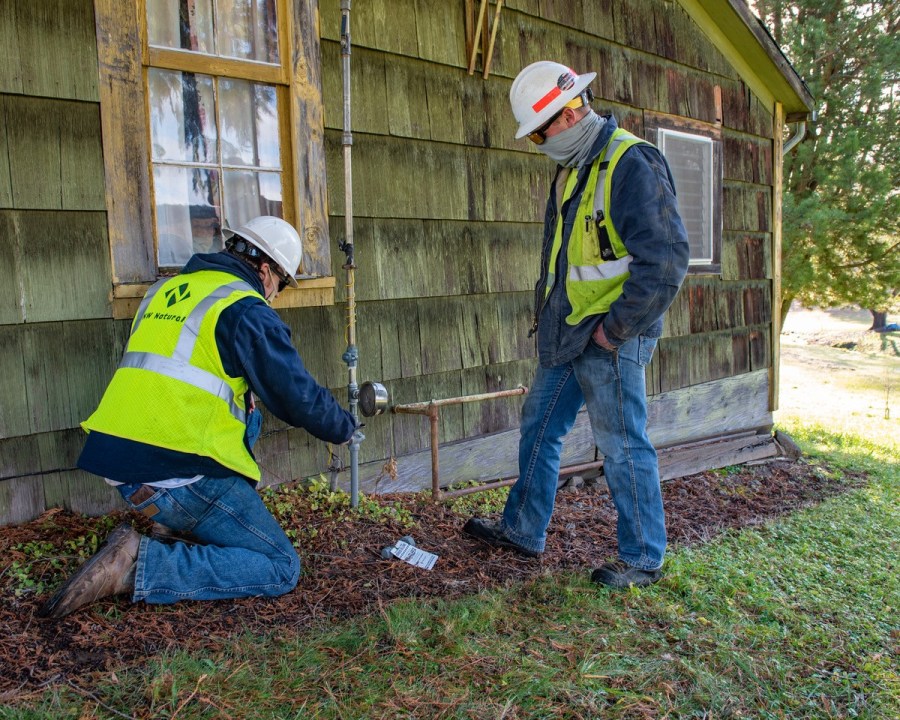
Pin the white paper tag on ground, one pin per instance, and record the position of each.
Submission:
(414, 556)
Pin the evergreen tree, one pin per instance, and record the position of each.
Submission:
(841, 243)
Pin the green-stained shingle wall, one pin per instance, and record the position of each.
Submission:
(448, 213)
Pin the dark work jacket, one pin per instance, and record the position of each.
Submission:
(255, 343)
(645, 214)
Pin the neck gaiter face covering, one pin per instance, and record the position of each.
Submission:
(571, 147)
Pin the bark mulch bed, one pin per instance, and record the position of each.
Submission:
(345, 576)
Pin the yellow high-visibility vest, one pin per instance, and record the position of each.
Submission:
(170, 390)
(597, 258)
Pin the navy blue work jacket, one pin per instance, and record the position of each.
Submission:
(645, 214)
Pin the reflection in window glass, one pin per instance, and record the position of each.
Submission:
(249, 124)
(243, 29)
(187, 213)
(181, 24)
(690, 158)
(247, 29)
(215, 139)
(182, 116)
(248, 194)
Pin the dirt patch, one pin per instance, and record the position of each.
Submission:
(339, 583)
(836, 373)
(842, 328)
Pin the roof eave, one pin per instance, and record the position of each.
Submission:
(764, 64)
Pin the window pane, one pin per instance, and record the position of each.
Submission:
(248, 29)
(182, 116)
(181, 24)
(248, 194)
(249, 124)
(188, 215)
(691, 162)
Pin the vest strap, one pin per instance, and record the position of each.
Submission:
(190, 329)
(600, 193)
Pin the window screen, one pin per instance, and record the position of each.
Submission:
(690, 158)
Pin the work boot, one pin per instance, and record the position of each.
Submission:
(619, 574)
(110, 571)
(491, 532)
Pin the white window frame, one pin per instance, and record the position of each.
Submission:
(656, 127)
(707, 179)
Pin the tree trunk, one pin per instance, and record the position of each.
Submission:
(879, 320)
(786, 300)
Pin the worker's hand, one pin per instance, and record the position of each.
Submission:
(356, 438)
(600, 338)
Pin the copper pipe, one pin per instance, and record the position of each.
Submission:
(432, 410)
(568, 470)
(421, 408)
(477, 488)
(433, 415)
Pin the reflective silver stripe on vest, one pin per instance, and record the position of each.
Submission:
(190, 329)
(186, 373)
(179, 365)
(604, 271)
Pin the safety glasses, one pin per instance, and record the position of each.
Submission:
(283, 280)
(539, 137)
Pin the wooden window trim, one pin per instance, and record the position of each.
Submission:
(124, 55)
(653, 123)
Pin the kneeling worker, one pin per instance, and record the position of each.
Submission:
(175, 428)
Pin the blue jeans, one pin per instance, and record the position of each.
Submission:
(612, 386)
(241, 552)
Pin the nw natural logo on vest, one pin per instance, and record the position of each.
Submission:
(177, 294)
(173, 296)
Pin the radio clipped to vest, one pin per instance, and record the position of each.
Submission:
(604, 244)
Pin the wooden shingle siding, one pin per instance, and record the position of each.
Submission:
(37, 472)
(55, 266)
(14, 408)
(67, 368)
(54, 153)
(48, 49)
(449, 206)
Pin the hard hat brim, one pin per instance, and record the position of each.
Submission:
(573, 92)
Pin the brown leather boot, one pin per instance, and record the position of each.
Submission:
(110, 571)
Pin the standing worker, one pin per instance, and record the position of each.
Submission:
(176, 425)
(615, 253)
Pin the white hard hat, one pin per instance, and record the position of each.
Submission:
(276, 238)
(541, 90)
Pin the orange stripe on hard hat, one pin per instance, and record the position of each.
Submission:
(547, 99)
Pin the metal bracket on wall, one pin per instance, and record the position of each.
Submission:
(479, 38)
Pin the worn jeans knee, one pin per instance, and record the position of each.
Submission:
(550, 409)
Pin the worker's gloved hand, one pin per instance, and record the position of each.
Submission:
(357, 437)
